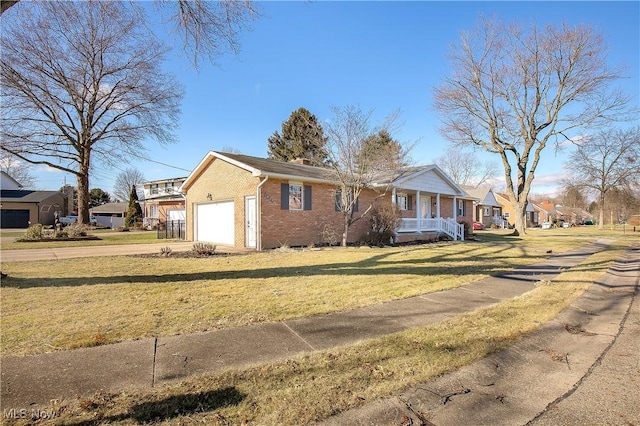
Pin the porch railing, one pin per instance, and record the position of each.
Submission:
(440, 224)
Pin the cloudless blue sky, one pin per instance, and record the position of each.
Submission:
(383, 56)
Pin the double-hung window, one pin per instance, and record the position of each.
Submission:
(404, 202)
(460, 207)
(295, 196)
(349, 201)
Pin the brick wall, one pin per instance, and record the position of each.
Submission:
(225, 182)
(320, 225)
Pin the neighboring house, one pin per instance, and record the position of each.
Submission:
(163, 201)
(486, 208)
(255, 203)
(22, 208)
(572, 215)
(543, 213)
(532, 215)
(110, 215)
(7, 182)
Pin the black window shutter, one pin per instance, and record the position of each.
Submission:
(409, 202)
(284, 196)
(355, 206)
(307, 198)
(338, 200)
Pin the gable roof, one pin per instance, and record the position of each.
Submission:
(409, 176)
(265, 167)
(9, 182)
(505, 201)
(484, 195)
(110, 208)
(25, 196)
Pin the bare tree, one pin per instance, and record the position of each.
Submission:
(356, 148)
(82, 81)
(609, 160)
(572, 195)
(207, 28)
(17, 169)
(125, 180)
(465, 168)
(513, 91)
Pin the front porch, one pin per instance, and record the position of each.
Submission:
(429, 213)
(437, 226)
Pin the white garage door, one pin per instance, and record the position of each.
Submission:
(214, 223)
(176, 215)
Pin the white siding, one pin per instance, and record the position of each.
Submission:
(428, 181)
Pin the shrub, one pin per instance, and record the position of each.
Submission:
(328, 235)
(165, 251)
(34, 232)
(385, 219)
(76, 230)
(204, 249)
(467, 228)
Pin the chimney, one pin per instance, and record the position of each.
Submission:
(303, 161)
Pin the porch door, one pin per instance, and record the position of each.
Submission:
(250, 217)
(425, 207)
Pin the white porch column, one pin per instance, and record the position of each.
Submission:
(438, 205)
(418, 210)
(455, 208)
(393, 196)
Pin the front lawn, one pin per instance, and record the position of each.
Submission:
(312, 387)
(106, 237)
(63, 304)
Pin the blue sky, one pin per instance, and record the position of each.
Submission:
(383, 56)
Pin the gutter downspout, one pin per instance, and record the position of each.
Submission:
(186, 231)
(259, 214)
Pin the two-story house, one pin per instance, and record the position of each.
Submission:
(163, 202)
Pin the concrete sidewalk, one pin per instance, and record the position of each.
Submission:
(37, 379)
(582, 368)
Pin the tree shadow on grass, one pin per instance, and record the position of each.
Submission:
(491, 263)
(173, 406)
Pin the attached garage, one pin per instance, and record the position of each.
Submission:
(215, 223)
(14, 219)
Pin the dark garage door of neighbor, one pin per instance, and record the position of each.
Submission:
(14, 219)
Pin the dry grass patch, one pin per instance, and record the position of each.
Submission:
(313, 387)
(53, 305)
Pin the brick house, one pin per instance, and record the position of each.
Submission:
(486, 208)
(255, 203)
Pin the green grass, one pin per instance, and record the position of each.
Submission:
(312, 387)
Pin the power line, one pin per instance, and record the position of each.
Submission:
(164, 164)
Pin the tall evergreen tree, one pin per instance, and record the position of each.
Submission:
(302, 137)
(134, 214)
